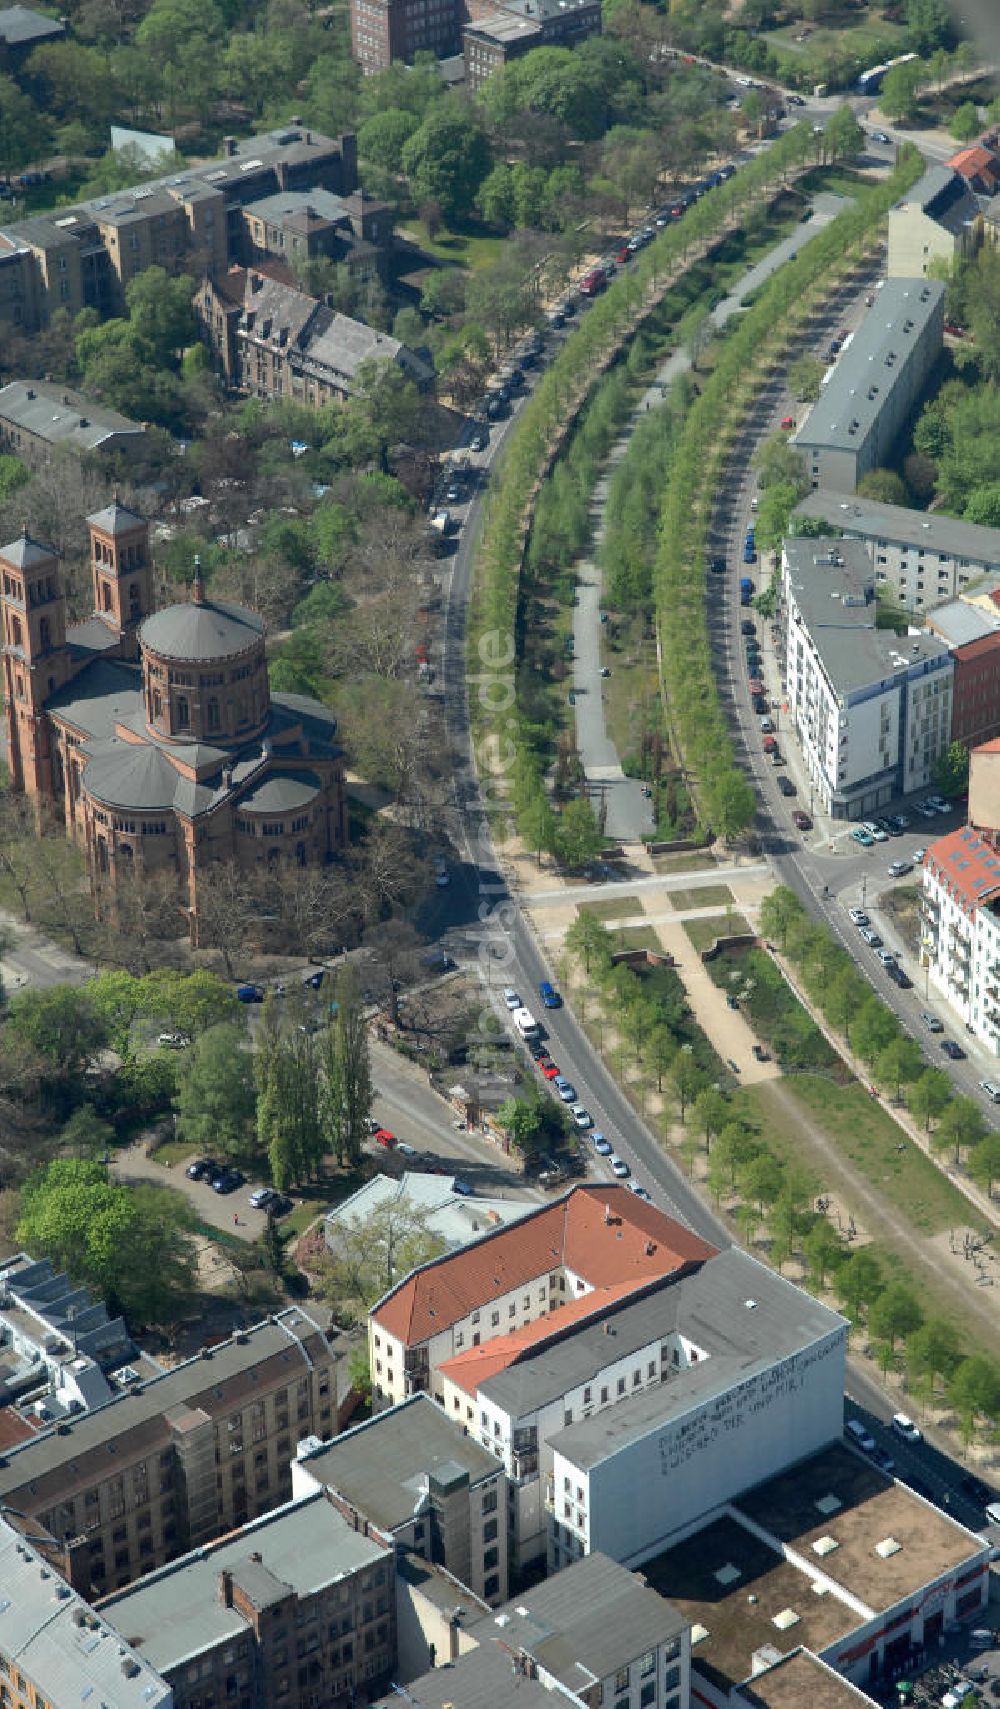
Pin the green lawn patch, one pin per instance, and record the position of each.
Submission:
(637, 937)
(298, 1220)
(707, 896)
(690, 861)
(863, 37)
(612, 907)
(703, 933)
(870, 1138)
(471, 247)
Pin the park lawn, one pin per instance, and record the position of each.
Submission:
(707, 896)
(637, 937)
(862, 36)
(612, 907)
(690, 860)
(470, 248)
(868, 1137)
(703, 933)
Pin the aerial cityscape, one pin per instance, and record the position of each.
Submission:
(500, 854)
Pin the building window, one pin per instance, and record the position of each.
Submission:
(183, 712)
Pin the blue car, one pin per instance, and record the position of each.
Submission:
(549, 995)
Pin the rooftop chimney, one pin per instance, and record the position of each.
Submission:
(198, 585)
(226, 1588)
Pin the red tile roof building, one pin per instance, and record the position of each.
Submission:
(979, 167)
(960, 907)
(594, 1238)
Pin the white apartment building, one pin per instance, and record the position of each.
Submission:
(960, 906)
(921, 557)
(869, 395)
(872, 710)
(629, 1419)
(593, 1237)
(757, 1385)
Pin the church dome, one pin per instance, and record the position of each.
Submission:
(193, 633)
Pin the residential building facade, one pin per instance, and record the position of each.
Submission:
(872, 711)
(939, 219)
(871, 392)
(152, 736)
(960, 912)
(274, 342)
(384, 31)
(425, 1483)
(179, 1457)
(975, 706)
(56, 1651)
(920, 558)
(38, 419)
(593, 1237)
(296, 1610)
(85, 256)
(496, 34)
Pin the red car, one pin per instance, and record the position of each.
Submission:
(769, 744)
(549, 1069)
(755, 685)
(384, 1137)
(787, 423)
(802, 820)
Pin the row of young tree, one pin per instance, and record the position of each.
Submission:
(765, 1191)
(542, 428)
(744, 359)
(954, 1123)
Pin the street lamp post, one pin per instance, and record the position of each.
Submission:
(864, 889)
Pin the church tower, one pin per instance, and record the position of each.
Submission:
(35, 660)
(122, 572)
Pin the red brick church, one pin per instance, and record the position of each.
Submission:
(153, 735)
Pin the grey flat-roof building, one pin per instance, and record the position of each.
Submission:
(872, 709)
(423, 1482)
(922, 557)
(207, 1622)
(37, 418)
(871, 392)
(174, 1460)
(57, 1651)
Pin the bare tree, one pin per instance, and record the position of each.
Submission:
(228, 911)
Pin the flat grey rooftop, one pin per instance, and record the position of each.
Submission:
(177, 1612)
(482, 1679)
(381, 1466)
(743, 1315)
(961, 623)
(833, 584)
(71, 1655)
(81, 1450)
(324, 203)
(870, 367)
(585, 1622)
(929, 531)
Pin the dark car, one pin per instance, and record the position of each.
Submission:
(227, 1180)
(748, 628)
(717, 566)
(315, 980)
(280, 1205)
(786, 785)
(953, 1050)
(202, 1167)
(250, 993)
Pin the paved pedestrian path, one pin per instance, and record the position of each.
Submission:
(725, 1028)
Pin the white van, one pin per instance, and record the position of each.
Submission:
(526, 1024)
(861, 1437)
